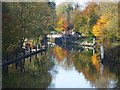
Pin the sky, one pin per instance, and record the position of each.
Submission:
(79, 1)
(82, 2)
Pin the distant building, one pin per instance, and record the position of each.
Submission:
(69, 29)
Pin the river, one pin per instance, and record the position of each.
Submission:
(64, 66)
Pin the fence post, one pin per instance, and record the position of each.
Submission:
(30, 49)
(21, 65)
(30, 52)
(36, 48)
(24, 55)
(45, 51)
(23, 52)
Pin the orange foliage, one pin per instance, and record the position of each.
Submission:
(61, 24)
(64, 27)
(59, 53)
(61, 18)
(95, 62)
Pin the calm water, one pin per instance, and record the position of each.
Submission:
(65, 66)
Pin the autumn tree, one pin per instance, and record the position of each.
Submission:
(86, 19)
(106, 27)
(62, 25)
(64, 12)
(99, 26)
(109, 12)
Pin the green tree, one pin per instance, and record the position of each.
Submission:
(26, 20)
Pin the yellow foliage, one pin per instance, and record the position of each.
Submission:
(98, 27)
(95, 30)
(58, 28)
(102, 20)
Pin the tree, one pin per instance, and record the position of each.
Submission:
(26, 20)
(99, 26)
(61, 24)
(109, 12)
(86, 19)
(64, 10)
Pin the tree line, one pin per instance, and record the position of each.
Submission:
(22, 20)
(95, 19)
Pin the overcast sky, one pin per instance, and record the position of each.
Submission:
(79, 1)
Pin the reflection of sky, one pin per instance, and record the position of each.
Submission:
(70, 79)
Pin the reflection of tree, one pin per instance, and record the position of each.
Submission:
(90, 66)
(95, 62)
(67, 64)
(102, 81)
(63, 57)
(59, 53)
(69, 61)
(35, 76)
(83, 64)
(112, 61)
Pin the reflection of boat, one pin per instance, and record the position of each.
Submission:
(68, 38)
(87, 47)
(69, 47)
(89, 44)
(64, 39)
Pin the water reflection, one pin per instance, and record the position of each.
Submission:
(66, 66)
(34, 73)
(86, 65)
